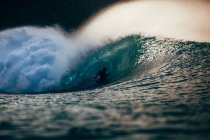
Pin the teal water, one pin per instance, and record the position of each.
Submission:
(158, 89)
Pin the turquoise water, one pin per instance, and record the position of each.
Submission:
(158, 89)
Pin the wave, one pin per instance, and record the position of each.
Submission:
(134, 56)
(35, 60)
(39, 60)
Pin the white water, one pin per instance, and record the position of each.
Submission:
(34, 59)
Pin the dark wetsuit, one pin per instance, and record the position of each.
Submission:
(101, 77)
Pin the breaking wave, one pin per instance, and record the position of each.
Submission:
(35, 60)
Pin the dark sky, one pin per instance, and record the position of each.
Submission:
(69, 14)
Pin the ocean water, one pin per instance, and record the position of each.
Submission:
(158, 88)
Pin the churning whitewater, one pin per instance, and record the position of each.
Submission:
(34, 59)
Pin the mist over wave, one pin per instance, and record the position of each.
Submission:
(183, 20)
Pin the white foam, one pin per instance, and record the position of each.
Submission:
(34, 59)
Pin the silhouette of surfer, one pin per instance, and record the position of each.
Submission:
(101, 76)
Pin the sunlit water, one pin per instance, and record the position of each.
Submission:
(163, 92)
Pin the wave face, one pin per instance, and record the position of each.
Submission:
(45, 60)
(120, 58)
